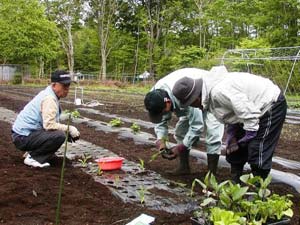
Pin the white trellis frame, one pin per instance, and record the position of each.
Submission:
(282, 65)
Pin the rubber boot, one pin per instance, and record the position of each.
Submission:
(184, 166)
(259, 172)
(236, 172)
(212, 163)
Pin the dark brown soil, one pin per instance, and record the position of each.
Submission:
(29, 196)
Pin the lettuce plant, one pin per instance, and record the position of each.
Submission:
(250, 204)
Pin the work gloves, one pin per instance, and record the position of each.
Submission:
(232, 144)
(74, 134)
(161, 145)
(248, 136)
(171, 153)
(174, 152)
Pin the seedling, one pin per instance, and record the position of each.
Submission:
(74, 114)
(117, 180)
(141, 192)
(116, 122)
(142, 164)
(99, 172)
(84, 160)
(163, 151)
(135, 128)
(179, 184)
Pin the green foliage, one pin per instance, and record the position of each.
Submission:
(73, 114)
(142, 192)
(86, 53)
(135, 128)
(17, 79)
(225, 217)
(164, 151)
(99, 171)
(158, 37)
(228, 203)
(142, 164)
(84, 160)
(117, 122)
(246, 43)
(25, 32)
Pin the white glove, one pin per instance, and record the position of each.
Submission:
(74, 132)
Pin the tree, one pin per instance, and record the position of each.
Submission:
(104, 13)
(25, 33)
(66, 14)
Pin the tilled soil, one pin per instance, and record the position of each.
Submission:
(29, 196)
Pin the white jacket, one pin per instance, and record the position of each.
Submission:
(238, 97)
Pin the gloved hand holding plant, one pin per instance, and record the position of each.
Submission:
(74, 134)
(174, 152)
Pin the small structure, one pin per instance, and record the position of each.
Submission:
(9, 71)
(144, 76)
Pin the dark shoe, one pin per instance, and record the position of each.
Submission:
(236, 172)
(259, 172)
(212, 163)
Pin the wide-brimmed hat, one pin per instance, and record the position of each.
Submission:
(187, 90)
(155, 103)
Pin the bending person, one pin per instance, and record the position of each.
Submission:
(161, 103)
(253, 108)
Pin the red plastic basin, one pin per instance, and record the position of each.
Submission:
(110, 163)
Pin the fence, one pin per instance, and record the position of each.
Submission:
(124, 77)
(282, 65)
(9, 71)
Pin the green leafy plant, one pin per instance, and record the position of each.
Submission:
(84, 160)
(142, 164)
(142, 192)
(99, 171)
(135, 128)
(75, 114)
(225, 217)
(164, 151)
(117, 122)
(251, 204)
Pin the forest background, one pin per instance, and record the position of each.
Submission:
(110, 38)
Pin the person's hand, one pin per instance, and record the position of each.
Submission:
(161, 145)
(74, 133)
(232, 146)
(231, 142)
(174, 152)
(249, 135)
